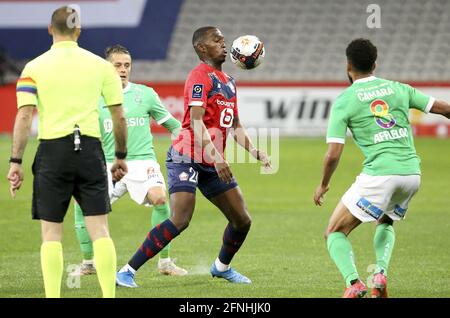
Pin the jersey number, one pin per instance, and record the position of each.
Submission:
(194, 177)
(226, 118)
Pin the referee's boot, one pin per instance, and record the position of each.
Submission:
(230, 275)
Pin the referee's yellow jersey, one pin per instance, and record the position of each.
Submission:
(65, 84)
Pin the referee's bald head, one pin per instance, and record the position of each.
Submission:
(65, 21)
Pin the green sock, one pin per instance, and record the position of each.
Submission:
(82, 234)
(341, 252)
(383, 242)
(161, 213)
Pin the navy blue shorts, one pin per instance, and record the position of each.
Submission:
(184, 175)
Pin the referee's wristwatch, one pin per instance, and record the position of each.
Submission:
(15, 160)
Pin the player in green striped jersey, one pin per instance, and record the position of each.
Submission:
(376, 112)
(144, 181)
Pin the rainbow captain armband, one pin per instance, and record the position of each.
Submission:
(26, 85)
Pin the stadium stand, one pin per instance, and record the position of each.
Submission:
(306, 39)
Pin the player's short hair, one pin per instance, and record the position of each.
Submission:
(65, 20)
(116, 49)
(199, 35)
(361, 54)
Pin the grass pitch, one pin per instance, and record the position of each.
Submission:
(285, 254)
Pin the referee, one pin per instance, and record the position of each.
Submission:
(65, 84)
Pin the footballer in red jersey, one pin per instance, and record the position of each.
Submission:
(196, 157)
(215, 91)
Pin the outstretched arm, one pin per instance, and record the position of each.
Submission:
(330, 164)
(441, 107)
(22, 127)
(243, 139)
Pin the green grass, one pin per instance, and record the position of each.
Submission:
(285, 254)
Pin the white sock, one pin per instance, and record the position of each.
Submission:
(221, 267)
(88, 261)
(127, 268)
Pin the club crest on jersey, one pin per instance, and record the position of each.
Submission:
(138, 96)
(380, 109)
(197, 91)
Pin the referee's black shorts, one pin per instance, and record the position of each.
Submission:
(60, 173)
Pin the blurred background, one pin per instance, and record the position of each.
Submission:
(305, 40)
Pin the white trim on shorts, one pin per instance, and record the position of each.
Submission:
(371, 197)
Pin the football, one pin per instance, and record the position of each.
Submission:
(247, 52)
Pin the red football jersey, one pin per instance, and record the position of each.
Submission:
(215, 91)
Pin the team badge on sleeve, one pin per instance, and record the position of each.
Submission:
(197, 91)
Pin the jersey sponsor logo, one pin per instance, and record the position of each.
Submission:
(136, 121)
(390, 135)
(369, 208)
(131, 122)
(197, 91)
(380, 109)
(225, 103)
(226, 118)
(399, 211)
(152, 173)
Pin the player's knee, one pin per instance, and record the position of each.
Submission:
(181, 225)
(181, 222)
(157, 197)
(328, 231)
(244, 224)
(159, 200)
(385, 220)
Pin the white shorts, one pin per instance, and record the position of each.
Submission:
(370, 197)
(142, 175)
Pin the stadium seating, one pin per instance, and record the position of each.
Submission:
(306, 39)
